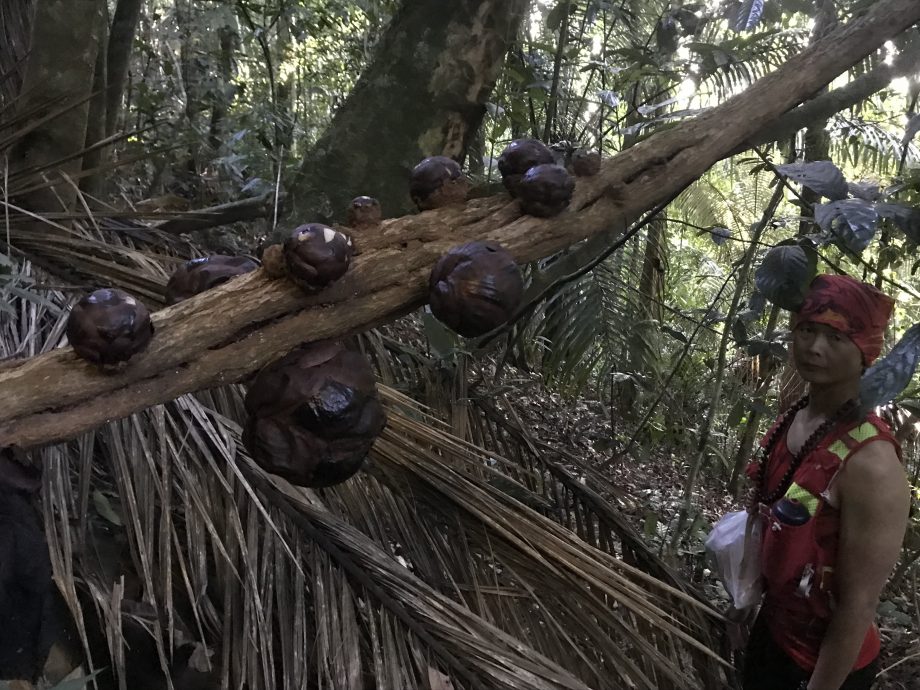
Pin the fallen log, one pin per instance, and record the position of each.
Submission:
(224, 334)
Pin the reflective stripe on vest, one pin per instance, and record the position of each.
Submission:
(863, 432)
(841, 449)
(803, 496)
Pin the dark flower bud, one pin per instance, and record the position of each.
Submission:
(109, 327)
(438, 181)
(546, 190)
(317, 255)
(475, 287)
(519, 157)
(314, 415)
(204, 273)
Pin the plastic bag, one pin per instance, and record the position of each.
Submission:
(734, 546)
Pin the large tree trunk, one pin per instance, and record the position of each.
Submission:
(224, 334)
(654, 269)
(65, 42)
(95, 121)
(228, 39)
(424, 94)
(118, 57)
(111, 73)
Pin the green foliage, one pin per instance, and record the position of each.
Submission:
(241, 89)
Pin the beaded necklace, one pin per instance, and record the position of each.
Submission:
(810, 444)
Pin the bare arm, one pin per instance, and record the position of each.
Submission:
(874, 504)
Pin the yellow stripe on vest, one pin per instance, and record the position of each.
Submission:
(863, 432)
(839, 448)
(803, 496)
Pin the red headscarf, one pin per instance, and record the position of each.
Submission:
(856, 309)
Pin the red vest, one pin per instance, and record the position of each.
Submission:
(799, 554)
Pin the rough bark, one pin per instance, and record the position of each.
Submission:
(65, 41)
(223, 335)
(424, 94)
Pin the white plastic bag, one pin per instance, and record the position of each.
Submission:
(734, 545)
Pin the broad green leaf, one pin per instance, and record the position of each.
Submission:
(822, 177)
(784, 275)
(852, 222)
(885, 379)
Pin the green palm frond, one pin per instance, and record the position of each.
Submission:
(868, 145)
(581, 327)
(697, 206)
(730, 63)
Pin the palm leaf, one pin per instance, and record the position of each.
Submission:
(426, 564)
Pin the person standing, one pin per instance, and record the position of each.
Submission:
(834, 500)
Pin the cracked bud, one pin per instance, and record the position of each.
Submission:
(314, 415)
(204, 273)
(273, 262)
(546, 190)
(317, 255)
(108, 327)
(364, 213)
(474, 288)
(438, 181)
(586, 163)
(519, 157)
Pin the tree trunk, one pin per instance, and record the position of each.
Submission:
(65, 41)
(226, 333)
(817, 148)
(654, 269)
(228, 42)
(424, 94)
(118, 57)
(745, 451)
(715, 395)
(95, 121)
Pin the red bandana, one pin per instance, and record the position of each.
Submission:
(856, 309)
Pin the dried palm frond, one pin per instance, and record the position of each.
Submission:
(426, 566)
(15, 31)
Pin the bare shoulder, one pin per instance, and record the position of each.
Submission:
(874, 473)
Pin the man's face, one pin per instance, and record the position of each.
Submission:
(824, 355)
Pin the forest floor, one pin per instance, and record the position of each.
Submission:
(652, 490)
